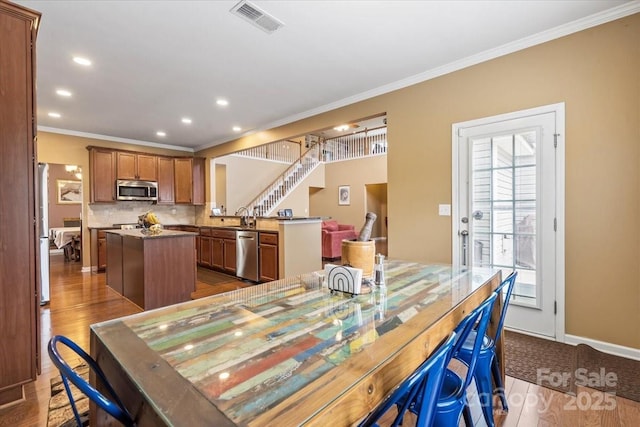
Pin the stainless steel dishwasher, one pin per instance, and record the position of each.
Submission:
(247, 254)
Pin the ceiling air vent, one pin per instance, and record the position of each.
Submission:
(256, 16)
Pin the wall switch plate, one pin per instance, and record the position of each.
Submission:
(444, 210)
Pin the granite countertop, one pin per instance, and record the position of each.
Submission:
(137, 233)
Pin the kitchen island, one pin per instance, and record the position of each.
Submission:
(152, 270)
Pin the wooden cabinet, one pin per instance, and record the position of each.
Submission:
(152, 271)
(268, 256)
(204, 247)
(180, 179)
(112, 250)
(136, 166)
(19, 295)
(189, 180)
(218, 249)
(229, 249)
(165, 180)
(102, 249)
(102, 175)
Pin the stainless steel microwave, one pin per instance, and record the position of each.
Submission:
(137, 190)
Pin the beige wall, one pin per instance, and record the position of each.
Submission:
(356, 174)
(245, 178)
(596, 73)
(298, 199)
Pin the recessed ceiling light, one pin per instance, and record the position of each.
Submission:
(237, 128)
(81, 61)
(54, 115)
(161, 133)
(222, 102)
(63, 92)
(341, 128)
(186, 120)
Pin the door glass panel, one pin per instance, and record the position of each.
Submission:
(504, 191)
(502, 150)
(502, 215)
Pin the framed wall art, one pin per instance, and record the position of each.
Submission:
(69, 192)
(344, 195)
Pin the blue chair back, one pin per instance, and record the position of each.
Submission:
(478, 319)
(507, 288)
(115, 409)
(425, 381)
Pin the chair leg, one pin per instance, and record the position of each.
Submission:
(497, 378)
(485, 394)
(466, 414)
(70, 396)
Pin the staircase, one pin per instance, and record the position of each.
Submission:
(264, 203)
(370, 142)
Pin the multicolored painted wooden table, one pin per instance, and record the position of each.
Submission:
(288, 352)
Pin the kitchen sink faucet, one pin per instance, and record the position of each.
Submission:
(244, 219)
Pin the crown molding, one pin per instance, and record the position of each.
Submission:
(114, 139)
(590, 21)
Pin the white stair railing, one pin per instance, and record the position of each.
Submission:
(280, 151)
(268, 199)
(369, 142)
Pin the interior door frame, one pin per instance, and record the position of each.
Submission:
(457, 164)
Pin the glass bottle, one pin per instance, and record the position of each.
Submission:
(379, 271)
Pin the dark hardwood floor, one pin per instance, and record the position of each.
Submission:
(80, 299)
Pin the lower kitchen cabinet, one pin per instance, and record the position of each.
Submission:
(229, 255)
(268, 256)
(217, 249)
(99, 248)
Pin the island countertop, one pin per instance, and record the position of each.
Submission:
(138, 234)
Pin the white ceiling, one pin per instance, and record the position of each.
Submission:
(155, 62)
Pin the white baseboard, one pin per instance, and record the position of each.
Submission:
(87, 269)
(605, 347)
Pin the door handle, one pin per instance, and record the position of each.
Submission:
(465, 235)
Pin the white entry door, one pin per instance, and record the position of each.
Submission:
(506, 209)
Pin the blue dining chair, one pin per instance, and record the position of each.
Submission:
(116, 409)
(488, 365)
(426, 381)
(452, 402)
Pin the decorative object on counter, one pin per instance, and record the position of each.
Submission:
(360, 253)
(342, 278)
(150, 223)
(365, 231)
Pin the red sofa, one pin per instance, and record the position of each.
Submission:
(332, 236)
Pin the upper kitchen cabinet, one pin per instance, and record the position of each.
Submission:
(19, 295)
(189, 180)
(102, 175)
(166, 178)
(136, 166)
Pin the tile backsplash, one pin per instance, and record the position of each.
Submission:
(105, 215)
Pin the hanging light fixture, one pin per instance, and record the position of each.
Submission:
(74, 170)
